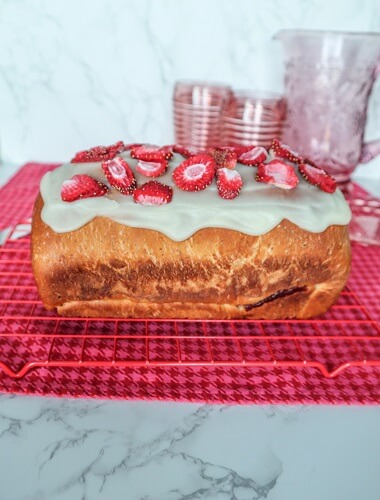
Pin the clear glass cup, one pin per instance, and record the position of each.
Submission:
(197, 108)
(204, 94)
(253, 105)
(253, 117)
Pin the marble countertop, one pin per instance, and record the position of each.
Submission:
(66, 449)
(81, 449)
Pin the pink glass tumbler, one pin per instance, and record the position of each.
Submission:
(253, 117)
(197, 108)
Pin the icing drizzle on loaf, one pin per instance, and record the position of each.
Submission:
(257, 209)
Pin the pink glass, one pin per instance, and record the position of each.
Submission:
(328, 81)
(197, 110)
(253, 117)
(365, 224)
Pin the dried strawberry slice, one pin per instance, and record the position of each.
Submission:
(310, 162)
(184, 151)
(229, 183)
(153, 193)
(278, 173)
(118, 147)
(254, 156)
(318, 177)
(82, 186)
(224, 156)
(167, 151)
(119, 174)
(240, 148)
(150, 152)
(128, 147)
(152, 168)
(98, 153)
(283, 151)
(195, 173)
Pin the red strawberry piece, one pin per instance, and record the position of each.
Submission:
(119, 174)
(278, 173)
(152, 168)
(128, 147)
(184, 151)
(82, 186)
(150, 152)
(225, 157)
(310, 162)
(118, 147)
(167, 151)
(195, 173)
(283, 151)
(153, 193)
(98, 153)
(240, 148)
(229, 183)
(254, 156)
(318, 177)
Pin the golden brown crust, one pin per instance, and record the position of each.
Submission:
(108, 269)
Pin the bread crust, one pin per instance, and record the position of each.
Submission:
(107, 269)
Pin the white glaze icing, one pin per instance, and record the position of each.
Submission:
(257, 210)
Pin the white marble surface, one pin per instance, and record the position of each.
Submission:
(78, 449)
(75, 73)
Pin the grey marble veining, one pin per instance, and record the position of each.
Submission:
(74, 74)
(82, 449)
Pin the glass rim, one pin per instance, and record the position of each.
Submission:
(198, 130)
(200, 134)
(252, 130)
(196, 112)
(196, 120)
(250, 136)
(259, 94)
(203, 83)
(196, 107)
(263, 119)
(316, 33)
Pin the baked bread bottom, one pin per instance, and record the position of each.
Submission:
(107, 269)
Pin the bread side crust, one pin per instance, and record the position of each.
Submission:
(107, 269)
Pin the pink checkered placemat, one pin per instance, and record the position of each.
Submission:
(18, 195)
(220, 361)
(224, 385)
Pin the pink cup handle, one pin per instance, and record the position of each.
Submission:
(369, 151)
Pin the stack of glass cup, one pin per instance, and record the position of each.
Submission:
(198, 107)
(253, 117)
(208, 115)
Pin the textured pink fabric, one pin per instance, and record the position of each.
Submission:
(18, 195)
(334, 359)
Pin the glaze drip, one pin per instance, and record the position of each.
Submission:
(257, 210)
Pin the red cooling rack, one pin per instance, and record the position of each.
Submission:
(30, 336)
(331, 359)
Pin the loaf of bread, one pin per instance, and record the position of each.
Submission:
(263, 252)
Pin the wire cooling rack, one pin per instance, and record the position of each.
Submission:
(30, 336)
